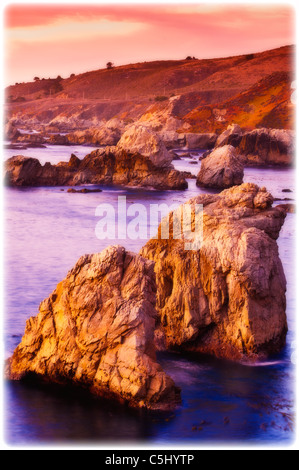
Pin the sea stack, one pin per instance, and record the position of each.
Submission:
(96, 330)
(226, 297)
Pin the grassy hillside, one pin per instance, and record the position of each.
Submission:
(249, 89)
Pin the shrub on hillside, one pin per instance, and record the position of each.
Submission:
(161, 98)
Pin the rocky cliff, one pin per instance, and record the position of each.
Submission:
(226, 298)
(96, 330)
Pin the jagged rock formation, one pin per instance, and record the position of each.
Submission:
(139, 159)
(103, 166)
(96, 330)
(222, 168)
(268, 147)
(226, 298)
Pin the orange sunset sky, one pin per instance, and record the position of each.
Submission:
(48, 40)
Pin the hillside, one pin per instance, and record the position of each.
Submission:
(251, 90)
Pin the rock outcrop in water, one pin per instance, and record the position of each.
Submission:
(226, 298)
(261, 147)
(221, 169)
(142, 140)
(96, 330)
(104, 166)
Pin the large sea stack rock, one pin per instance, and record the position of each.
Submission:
(11, 132)
(226, 298)
(96, 330)
(143, 140)
(221, 169)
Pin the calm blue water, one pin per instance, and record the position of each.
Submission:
(46, 231)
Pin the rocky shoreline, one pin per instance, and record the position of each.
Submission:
(226, 297)
(259, 147)
(102, 325)
(139, 159)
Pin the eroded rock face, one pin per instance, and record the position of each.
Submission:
(260, 147)
(228, 297)
(96, 330)
(264, 147)
(232, 135)
(108, 165)
(222, 168)
(108, 133)
(143, 140)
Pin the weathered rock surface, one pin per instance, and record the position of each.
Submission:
(33, 139)
(226, 298)
(222, 168)
(108, 165)
(10, 131)
(96, 330)
(264, 147)
(261, 147)
(141, 139)
(230, 136)
(108, 133)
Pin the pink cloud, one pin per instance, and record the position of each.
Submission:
(161, 32)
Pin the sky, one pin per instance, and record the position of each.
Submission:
(47, 40)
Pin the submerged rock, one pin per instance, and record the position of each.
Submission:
(222, 169)
(84, 190)
(96, 330)
(226, 298)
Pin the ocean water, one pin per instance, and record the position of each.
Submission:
(46, 231)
